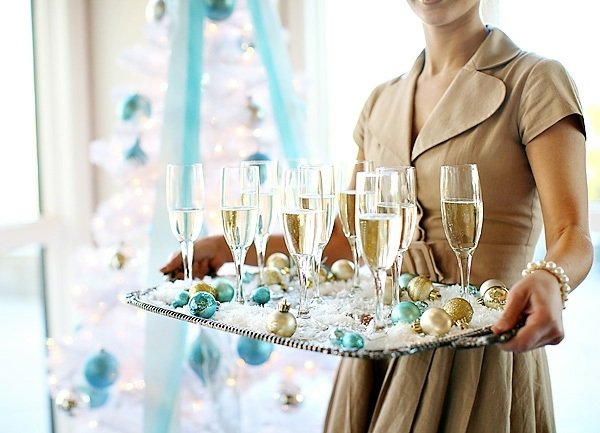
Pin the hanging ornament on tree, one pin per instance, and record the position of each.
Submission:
(254, 352)
(72, 401)
(135, 153)
(118, 260)
(204, 357)
(219, 10)
(134, 107)
(155, 11)
(98, 397)
(257, 113)
(101, 369)
(282, 322)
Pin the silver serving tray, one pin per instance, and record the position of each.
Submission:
(473, 338)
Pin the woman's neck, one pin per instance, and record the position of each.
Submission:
(449, 48)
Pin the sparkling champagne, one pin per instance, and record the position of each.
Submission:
(186, 223)
(462, 223)
(239, 225)
(379, 238)
(301, 229)
(347, 212)
(408, 217)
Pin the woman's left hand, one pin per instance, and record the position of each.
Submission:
(536, 301)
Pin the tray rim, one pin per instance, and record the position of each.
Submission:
(477, 337)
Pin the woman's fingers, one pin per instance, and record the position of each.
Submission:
(513, 312)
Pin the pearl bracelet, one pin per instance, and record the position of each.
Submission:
(555, 270)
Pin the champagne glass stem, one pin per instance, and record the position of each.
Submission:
(396, 272)
(238, 258)
(304, 263)
(356, 276)
(187, 256)
(464, 264)
(317, 273)
(380, 276)
(260, 242)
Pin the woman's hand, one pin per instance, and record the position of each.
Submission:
(536, 301)
(210, 253)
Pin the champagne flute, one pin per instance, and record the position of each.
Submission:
(408, 216)
(239, 214)
(185, 204)
(302, 209)
(379, 228)
(347, 210)
(462, 214)
(267, 192)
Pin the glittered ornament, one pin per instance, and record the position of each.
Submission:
(101, 369)
(134, 107)
(203, 286)
(405, 312)
(421, 289)
(204, 357)
(336, 335)
(352, 341)
(460, 310)
(261, 295)
(282, 322)
(422, 306)
(155, 11)
(272, 275)
(279, 261)
(404, 279)
(494, 295)
(219, 10)
(181, 300)
(224, 288)
(343, 269)
(435, 321)
(135, 153)
(203, 304)
(254, 352)
(72, 401)
(97, 397)
(118, 260)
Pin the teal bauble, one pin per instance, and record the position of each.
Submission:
(261, 295)
(98, 397)
(405, 278)
(352, 341)
(219, 10)
(204, 357)
(405, 312)
(101, 369)
(181, 300)
(421, 305)
(203, 304)
(224, 288)
(254, 352)
(134, 107)
(335, 336)
(262, 168)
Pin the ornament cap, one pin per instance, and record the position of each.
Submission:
(284, 306)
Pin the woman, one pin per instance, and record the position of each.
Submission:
(472, 96)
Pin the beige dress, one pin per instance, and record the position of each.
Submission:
(499, 101)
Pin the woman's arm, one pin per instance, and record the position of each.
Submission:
(557, 160)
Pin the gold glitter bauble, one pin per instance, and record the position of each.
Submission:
(279, 261)
(272, 275)
(118, 261)
(435, 321)
(495, 297)
(202, 286)
(460, 310)
(421, 289)
(282, 322)
(343, 269)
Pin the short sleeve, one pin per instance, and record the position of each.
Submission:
(549, 95)
(361, 124)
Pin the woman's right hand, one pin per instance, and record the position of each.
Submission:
(210, 253)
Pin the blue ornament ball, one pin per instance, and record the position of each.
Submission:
(352, 341)
(101, 369)
(405, 279)
(224, 288)
(181, 299)
(98, 397)
(219, 10)
(204, 357)
(405, 312)
(262, 170)
(203, 304)
(336, 336)
(134, 107)
(261, 295)
(254, 352)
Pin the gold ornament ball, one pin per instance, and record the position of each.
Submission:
(282, 322)
(279, 261)
(272, 275)
(325, 274)
(118, 261)
(421, 289)
(202, 286)
(435, 321)
(72, 401)
(343, 269)
(489, 284)
(495, 297)
(460, 310)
